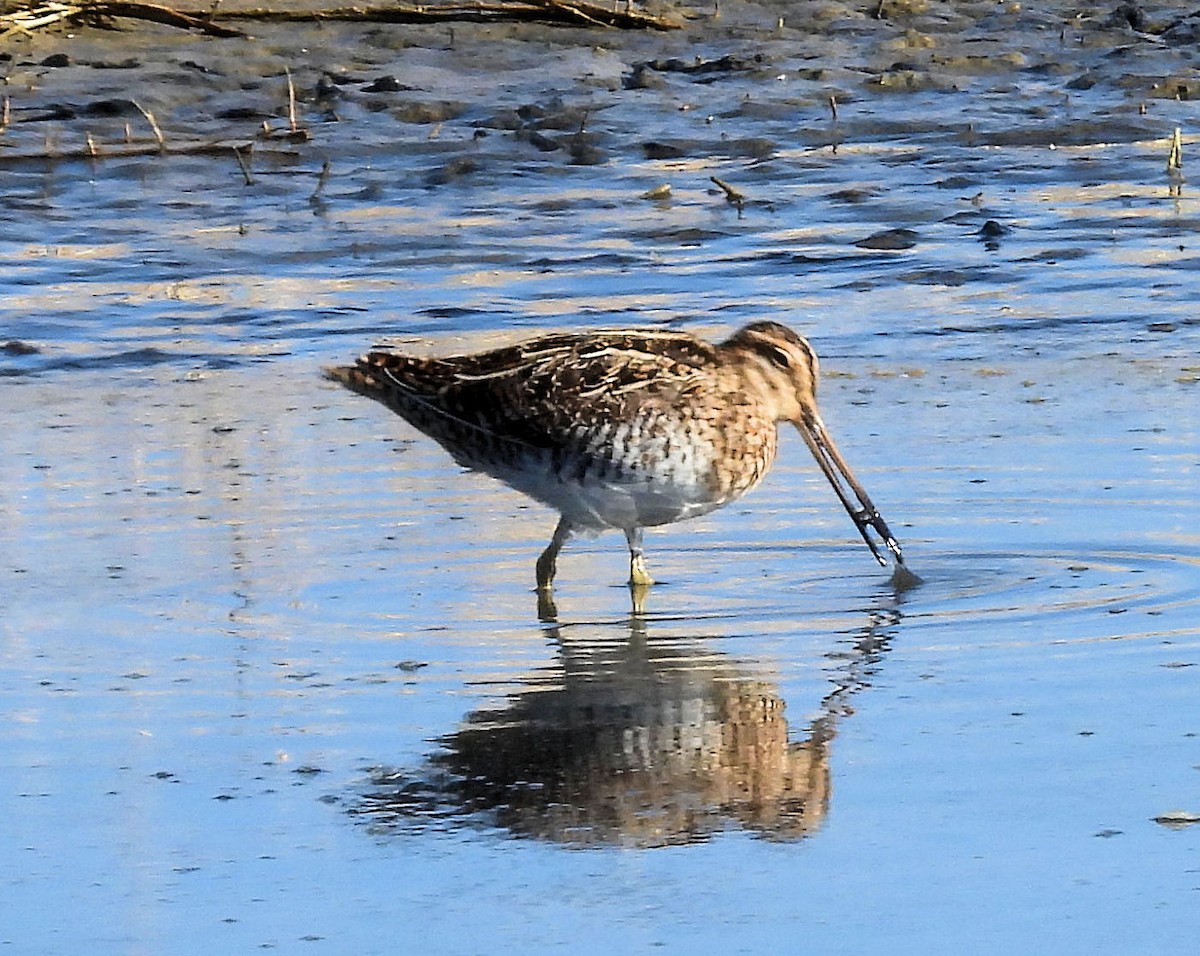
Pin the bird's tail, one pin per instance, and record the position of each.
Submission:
(369, 376)
(381, 376)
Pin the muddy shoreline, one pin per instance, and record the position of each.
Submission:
(570, 95)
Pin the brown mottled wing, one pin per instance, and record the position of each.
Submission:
(556, 393)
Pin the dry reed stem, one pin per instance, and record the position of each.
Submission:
(1175, 155)
(292, 121)
(243, 162)
(158, 133)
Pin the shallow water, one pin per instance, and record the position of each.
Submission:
(272, 670)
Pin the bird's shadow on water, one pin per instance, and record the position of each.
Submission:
(643, 733)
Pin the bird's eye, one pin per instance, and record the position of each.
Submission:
(779, 357)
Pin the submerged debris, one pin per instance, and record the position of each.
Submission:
(1177, 819)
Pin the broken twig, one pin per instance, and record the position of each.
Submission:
(321, 180)
(733, 196)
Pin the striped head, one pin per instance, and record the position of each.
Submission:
(781, 367)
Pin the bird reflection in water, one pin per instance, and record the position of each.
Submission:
(635, 741)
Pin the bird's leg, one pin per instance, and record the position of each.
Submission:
(638, 575)
(547, 609)
(548, 562)
(637, 600)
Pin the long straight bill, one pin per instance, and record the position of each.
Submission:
(854, 499)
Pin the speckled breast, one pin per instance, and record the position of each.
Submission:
(650, 470)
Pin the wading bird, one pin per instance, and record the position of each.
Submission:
(621, 429)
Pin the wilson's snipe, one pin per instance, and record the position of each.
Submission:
(621, 429)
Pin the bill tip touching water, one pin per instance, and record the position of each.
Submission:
(624, 429)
